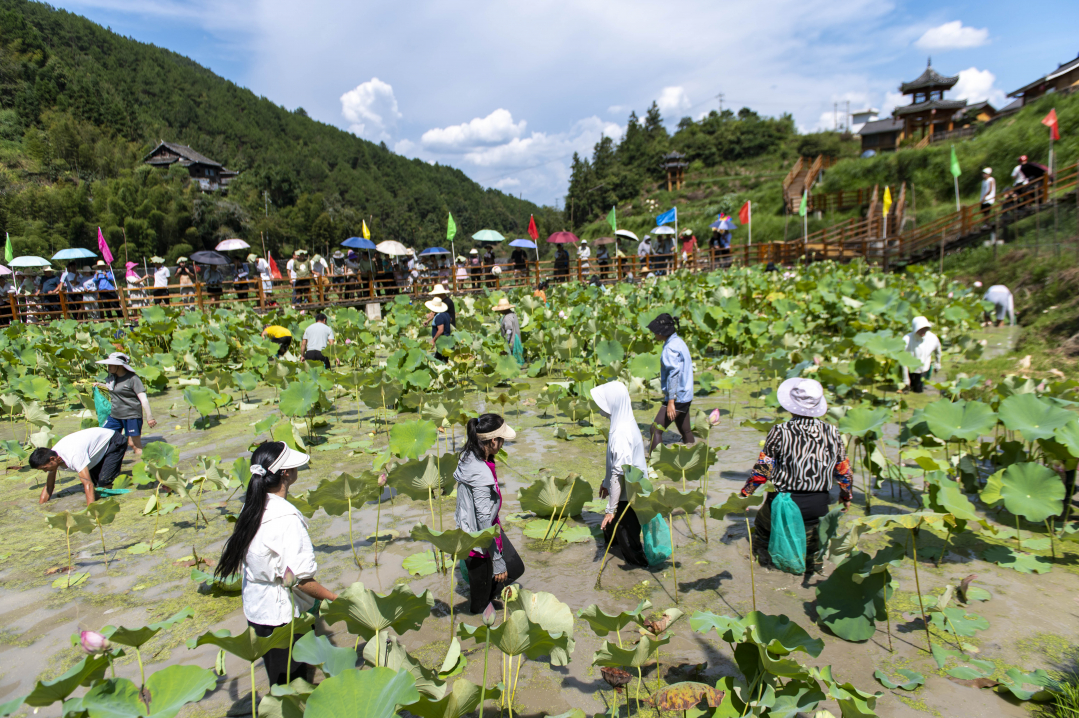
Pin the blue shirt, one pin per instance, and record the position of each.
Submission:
(104, 281)
(676, 371)
(442, 319)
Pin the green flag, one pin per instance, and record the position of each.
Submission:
(804, 206)
(955, 164)
(612, 221)
(451, 227)
(8, 254)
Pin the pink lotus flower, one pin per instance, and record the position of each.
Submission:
(93, 642)
(489, 615)
(289, 579)
(713, 418)
(382, 479)
(348, 341)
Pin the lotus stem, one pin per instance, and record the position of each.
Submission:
(602, 563)
(1018, 536)
(351, 542)
(888, 617)
(254, 707)
(378, 650)
(157, 514)
(947, 538)
(640, 678)
(516, 677)
(918, 586)
(67, 537)
(483, 686)
(104, 552)
(378, 518)
(453, 570)
(291, 634)
(752, 579)
(674, 564)
(1052, 543)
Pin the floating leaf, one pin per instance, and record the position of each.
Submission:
(420, 564)
(913, 679)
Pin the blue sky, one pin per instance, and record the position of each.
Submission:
(508, 91)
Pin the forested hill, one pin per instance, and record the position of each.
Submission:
(80, 106)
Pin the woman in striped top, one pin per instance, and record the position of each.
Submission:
(801, 457)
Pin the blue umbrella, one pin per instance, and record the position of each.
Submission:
(724, 224)
(434, 250)
(74, 253)
(526, 243)
(358, 243)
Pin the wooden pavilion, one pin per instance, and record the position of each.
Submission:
(928, 112)
(675, 164)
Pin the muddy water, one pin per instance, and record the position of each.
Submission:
(1033, 619)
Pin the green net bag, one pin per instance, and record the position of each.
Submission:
(787, 544)
(656, 537)
(103, 405)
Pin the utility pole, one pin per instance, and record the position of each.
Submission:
(720, 98)
(835, 116)
(848, 116)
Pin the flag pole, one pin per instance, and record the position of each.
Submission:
(750, 222)
(956, 179)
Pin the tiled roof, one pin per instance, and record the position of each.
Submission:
(929, 78)
(184, 151)
(931, 105)
(876, 127)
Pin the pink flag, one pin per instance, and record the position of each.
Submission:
(103, 247)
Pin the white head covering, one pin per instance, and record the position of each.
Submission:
(920, 323)
(804, 397)
(624, 445)
(118, 359)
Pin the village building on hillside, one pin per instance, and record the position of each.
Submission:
(929, 117)
(208, 174)
(1063, 80)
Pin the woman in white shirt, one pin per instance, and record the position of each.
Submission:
(270, 537)
(923, 345)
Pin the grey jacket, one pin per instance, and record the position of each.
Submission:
(477, 502)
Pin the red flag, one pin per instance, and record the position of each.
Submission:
(103, 247)
(1050, 121)
(274, 271)
(532, 231)
(743, 214)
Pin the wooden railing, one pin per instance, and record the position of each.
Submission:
(793, 174)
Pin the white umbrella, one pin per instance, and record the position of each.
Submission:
(392, 248)
(662, 230)
(230, 244)
(29, 261)
(625, 233)
(4, 270)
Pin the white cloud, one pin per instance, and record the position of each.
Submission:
(494, 129)
(370, 109)
(977, 85)
(892, 100)
(952, 36)
(618, 109)
(672, 100)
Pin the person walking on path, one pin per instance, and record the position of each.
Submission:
(989, 191)
(801, 457)
(440, 292)
(161, 280)
(511, 329)
(923, 345)
(316, 338)
(130, 407)
(479, 498)
(625, 447)
(1004, 303)
(94, 454)
(187, 279)
(272, 550)
(561, 264)
(441, 324)
(584, 253)
(676, 381)
(106, 290)
(262, 266)
(280, 336)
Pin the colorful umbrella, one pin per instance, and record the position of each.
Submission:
(74, 253)
(358, 243)
(229, 245)
(726, 224)
(487, 235)
(4, 270)
(434, 250)
(563, 238)
(525, 243)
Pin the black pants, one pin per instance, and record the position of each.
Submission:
(482, 586)
(108, 468)
(916, 384)
(628, 536)
(316, 355)
(110, 304)
(276, 659)
(681, 422)
(812, 504)
(283, 344)
(161, 295)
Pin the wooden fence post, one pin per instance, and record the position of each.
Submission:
(63, 304)
(123, 303)
(198, 296)
(14, 306)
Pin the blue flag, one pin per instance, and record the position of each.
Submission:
(670, 215)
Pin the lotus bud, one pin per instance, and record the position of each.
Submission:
(489, 615)
(289, 579)
(509, 593)
(382, 479)
(93, 642)
(713, 418)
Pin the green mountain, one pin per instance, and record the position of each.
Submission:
(81, 106)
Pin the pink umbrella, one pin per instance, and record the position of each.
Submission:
(563, 238)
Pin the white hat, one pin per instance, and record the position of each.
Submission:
(920, 323)
(118, 359)
(584, 241)
(252, 257)
(804, 397)
(439, 290)
(289, 459)
(460, 258)
(987, 170)
(496, 270)
(473, 251)
(977, 284)
(436, 305)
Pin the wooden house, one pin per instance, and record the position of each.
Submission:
(1064, 79)
(208, 174)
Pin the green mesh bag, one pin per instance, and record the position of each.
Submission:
(787, 544)
(656, 537)
(103, 405)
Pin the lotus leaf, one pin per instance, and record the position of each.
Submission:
(1068, 436)
(683, 462)
(603, 623)
(852, 702)
(68, 522)
(169, 690)
(318, 651)
(462, 699)
(1021, 562)
(430, 683)
(958, 621)
(862, 422)
(645, 366)
(420, 564)
(1032, 491)
(849, 608)
(366, 612)
(82, 673)
(1016, 682)
(884, 522)
(454, 541)
(945, 496)
(136, 637)
(637, 656)
(248, 646)
(299, 398)
(229, 584)
(913, 679)
(960, 420)
(285, 431)
(735, 504)
(201, 398)
(420, 480)
(685, 695)
(545, 609)
(1032, 416)
(336, 496)
(518, 635)
(379, 691)
(549, 496)
(609, 351)
(671, 498)
(412, 439)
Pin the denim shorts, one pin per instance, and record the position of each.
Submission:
(126, 427)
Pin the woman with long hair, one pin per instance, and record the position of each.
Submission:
(479, 497)
(676, 381)
(269, 543)
(625, 447)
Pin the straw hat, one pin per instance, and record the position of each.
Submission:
(100, 263)
(158, 260)
(502, 306)
(250, 258)
(473, 251)
(439, 290)
(503, 432)
(339, 254)
(436, 305)
(804, 397)
(118, 359)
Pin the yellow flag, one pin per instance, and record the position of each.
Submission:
(887, 199)
(367, 232)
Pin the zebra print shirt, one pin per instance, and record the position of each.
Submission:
(803, 454)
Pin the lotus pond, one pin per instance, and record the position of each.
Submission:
(949, 587)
